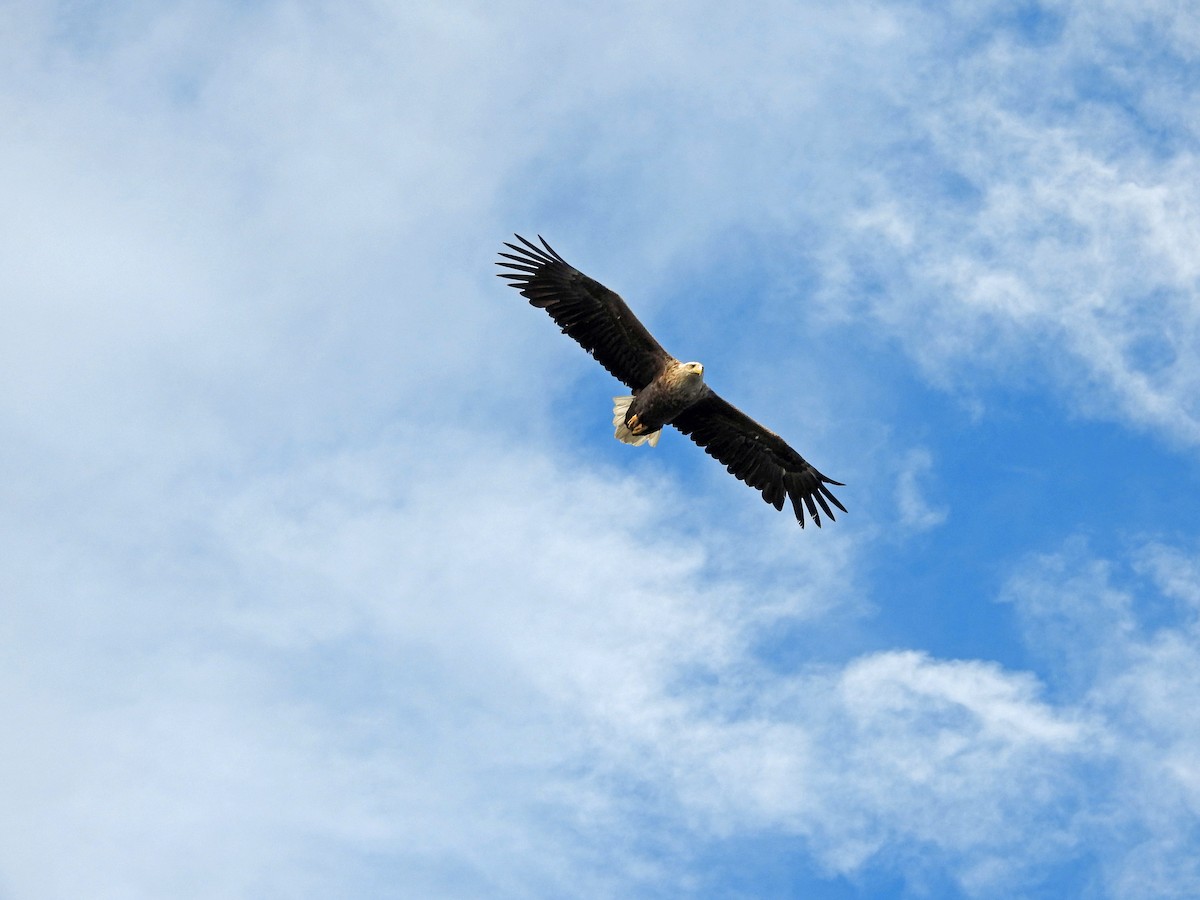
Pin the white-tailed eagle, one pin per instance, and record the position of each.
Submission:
(665, 390)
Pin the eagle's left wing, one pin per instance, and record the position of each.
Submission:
(757, 456)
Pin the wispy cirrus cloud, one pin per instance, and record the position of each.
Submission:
(282, 668)
(1042, 234)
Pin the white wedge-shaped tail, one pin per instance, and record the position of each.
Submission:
(623, 434)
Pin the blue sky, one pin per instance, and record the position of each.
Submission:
(324, 576)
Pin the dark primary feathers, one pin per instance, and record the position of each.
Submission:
(758, 456)
(601, 322)
(587, 311)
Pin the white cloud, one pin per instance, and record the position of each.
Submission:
(370, 662)
(398, 654)
(1140, 679)
(915, 510)
(1037, 234)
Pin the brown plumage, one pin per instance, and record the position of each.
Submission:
(665, 391)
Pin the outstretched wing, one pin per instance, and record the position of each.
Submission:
(759, 457)
(587, 311)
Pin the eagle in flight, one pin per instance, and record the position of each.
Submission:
(665, 390)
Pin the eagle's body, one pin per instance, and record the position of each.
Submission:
(641, 417)
(665, 390)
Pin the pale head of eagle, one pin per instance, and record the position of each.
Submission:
(687, 382)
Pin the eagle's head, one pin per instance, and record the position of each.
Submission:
(693, 370)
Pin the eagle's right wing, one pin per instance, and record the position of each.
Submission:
(587, 311)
